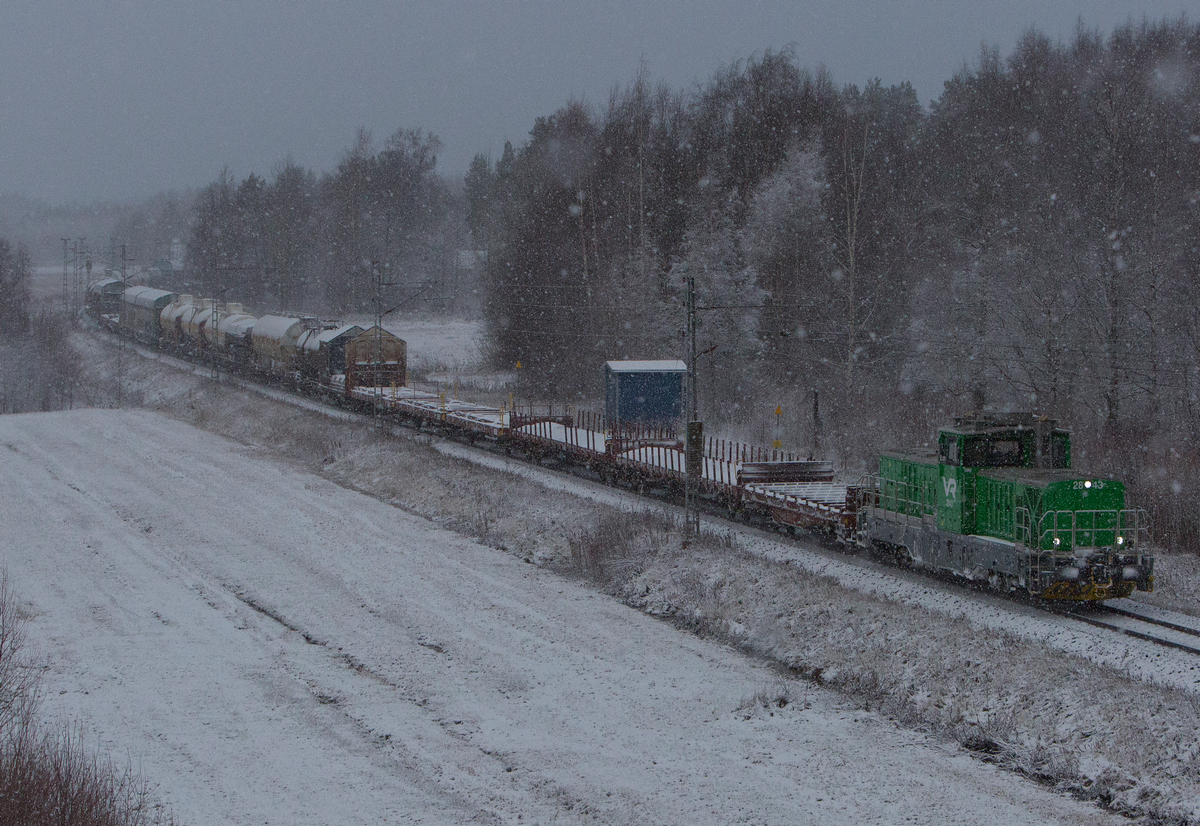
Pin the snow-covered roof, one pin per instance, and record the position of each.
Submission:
(148, 297)
(369, 333)
(236, 324)
(347, 330)
(106, 285)
(278, 327)
(663, 366)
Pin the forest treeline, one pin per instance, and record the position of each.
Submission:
(382, 221)
(1030, 240)
(39, 369)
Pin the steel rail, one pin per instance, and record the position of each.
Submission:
(1132, 632)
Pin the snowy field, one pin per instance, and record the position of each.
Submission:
(272, 648)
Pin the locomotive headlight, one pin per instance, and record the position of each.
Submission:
(1070, 572)
(1129, 572)
(1087, 484)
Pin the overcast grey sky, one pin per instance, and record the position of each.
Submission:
(122, 99)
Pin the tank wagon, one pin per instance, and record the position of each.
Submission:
(234, 329)
(170, 321)
(275, 341)
(997, 501)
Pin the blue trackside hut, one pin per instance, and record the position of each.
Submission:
(648, 393)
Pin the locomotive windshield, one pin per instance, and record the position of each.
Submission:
(986, 451)
(1005, 449)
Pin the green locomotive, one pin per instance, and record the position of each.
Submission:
(997, 501)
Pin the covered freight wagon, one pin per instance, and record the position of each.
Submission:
(141, 313)
(376, 358)
(644, 393)
(322, 353)
(104, 296)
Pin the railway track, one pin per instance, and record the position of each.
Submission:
(1128, 617)
(1162, 629)
(1167, 628)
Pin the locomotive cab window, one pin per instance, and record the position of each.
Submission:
(948, 449)
(1060, 451)
(993, 451)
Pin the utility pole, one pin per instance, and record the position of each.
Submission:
(816, 439)
(80, 253)
(87, 279)
(694, 443)
(82, 258)
(377, 268)
(66, 282)
(121, 331)
(214, 329)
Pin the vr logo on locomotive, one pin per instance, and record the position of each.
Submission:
(951, 486)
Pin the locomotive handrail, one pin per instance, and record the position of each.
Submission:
(1127, 527)
(896, 496)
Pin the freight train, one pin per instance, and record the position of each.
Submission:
(324, 357)
(996, 502)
